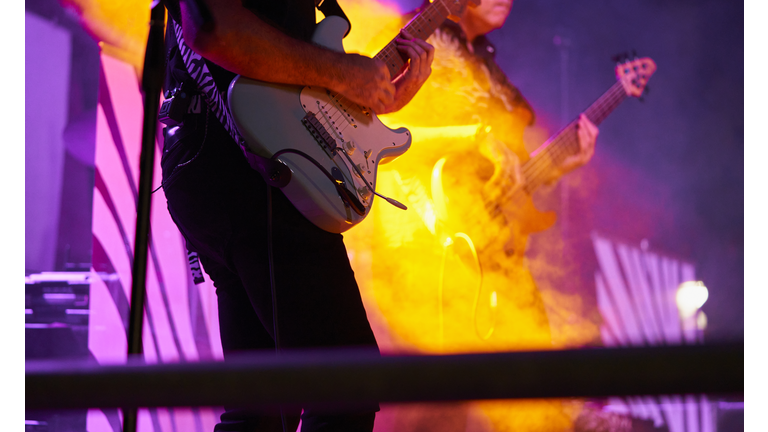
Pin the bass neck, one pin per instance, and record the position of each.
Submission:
(566, 142)
(632, 77)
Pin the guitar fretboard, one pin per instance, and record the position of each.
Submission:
(566, 142)
(421, 26)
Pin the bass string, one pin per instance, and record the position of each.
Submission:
(596, 112)
(566, 143)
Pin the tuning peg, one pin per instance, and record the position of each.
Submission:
(646, 90)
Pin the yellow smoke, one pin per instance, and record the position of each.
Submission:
(431, 276)
(120, 27)
(435, 278)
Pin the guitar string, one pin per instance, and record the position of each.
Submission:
(389, 52)
(534, 168)
(333, 113)
(533, 171)
(564, 141)
(596, 113)
(568, 143)
(567, 140)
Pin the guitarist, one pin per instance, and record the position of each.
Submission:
(422, 295)
(220, 204)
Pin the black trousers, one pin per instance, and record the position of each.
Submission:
(219, 204)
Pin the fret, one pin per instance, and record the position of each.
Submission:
(598, 111)
(421, 26)
(566, 142)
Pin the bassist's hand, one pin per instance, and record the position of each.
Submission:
(586, 131)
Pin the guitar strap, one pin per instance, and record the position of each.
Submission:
(331, 7)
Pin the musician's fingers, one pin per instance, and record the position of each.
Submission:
(587, 133)
(429, 50)
(591, 127)
(584, 139)
(412, 51)
(419, 52)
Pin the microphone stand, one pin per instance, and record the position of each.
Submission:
(151, 84)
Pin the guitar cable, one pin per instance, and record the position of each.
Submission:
(273, 290)
(346, 195)
(270, 179)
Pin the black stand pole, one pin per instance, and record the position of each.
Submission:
(151, 84)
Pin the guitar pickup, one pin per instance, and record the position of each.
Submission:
(317, 130)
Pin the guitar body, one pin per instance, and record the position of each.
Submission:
(270, 118)
(498, 232)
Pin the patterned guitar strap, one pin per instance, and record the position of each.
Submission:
(197, 69)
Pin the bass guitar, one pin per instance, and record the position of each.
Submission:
(333, 147)
(500, 227)
(484, 230)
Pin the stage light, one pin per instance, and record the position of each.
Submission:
(494, 301)
(690, 297)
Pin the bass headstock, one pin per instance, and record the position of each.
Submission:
(634, 75)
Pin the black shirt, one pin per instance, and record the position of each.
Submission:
(296, 18)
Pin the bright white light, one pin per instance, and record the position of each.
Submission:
(493, 299)
(690, 297)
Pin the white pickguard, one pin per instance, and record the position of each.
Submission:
(269, 117)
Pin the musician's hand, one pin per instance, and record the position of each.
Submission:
(366, 81)
(420, 55)
(586, 132)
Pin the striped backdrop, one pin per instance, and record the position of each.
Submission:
(180, 319)
(636, 297)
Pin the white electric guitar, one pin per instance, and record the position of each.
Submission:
(332, 146)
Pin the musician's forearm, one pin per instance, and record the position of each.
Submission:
(246, 45)
(404, 92)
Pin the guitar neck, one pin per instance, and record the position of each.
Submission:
(566, 142)
(421, 26)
